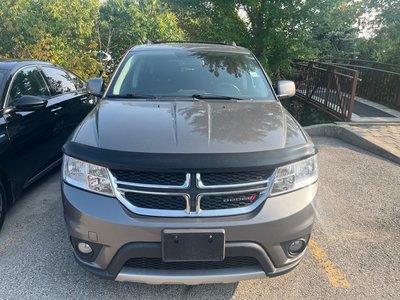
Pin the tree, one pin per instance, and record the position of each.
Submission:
(124, 23)
(52, 30)
(275, 30)
(335, 32)
(384, 45)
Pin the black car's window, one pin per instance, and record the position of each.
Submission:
(28, 81)
(79, 83)
(1, 77)
(60, 81)
(184, 73)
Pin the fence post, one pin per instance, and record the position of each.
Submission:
(329, 78)
(353, 95)
(309, 70)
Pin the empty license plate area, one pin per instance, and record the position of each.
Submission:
(193, 245)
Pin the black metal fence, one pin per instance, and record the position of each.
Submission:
(330, 87)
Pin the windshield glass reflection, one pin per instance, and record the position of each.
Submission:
(184, 73)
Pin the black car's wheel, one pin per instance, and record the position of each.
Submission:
(2, 205)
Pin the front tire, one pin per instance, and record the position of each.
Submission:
(2, 205)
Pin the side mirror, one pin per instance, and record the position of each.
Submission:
(95, 86)
(30, 103)
(285, 89)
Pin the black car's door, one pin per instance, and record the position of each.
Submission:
(70, 102)
(28, 131)
(4, 141)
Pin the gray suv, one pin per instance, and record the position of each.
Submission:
(189, 170)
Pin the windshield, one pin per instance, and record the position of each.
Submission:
(184, 73)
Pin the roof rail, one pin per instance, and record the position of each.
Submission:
(230, 43)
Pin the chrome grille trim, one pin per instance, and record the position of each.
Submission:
(263, 188)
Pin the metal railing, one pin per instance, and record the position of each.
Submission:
(330, 87)
(380, 81)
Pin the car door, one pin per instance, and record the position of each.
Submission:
(28, 131)
(70, 102)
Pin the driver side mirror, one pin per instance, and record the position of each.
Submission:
(27, 103)
(95, 86)
(285, 89)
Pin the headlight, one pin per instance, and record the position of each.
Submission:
(295, 176)
(86, 176)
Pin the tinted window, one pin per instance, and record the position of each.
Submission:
(28, 81)
(60, 81)
(185, 73)
(79, 83)
(1, 77)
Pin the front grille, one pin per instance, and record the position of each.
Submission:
(154, 263)
(223, 178)
(152, 201)
(179, 194)
(157, 178)
(212, 202)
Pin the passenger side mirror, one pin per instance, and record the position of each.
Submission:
(95, 86)
(285, 89)
(30, 103)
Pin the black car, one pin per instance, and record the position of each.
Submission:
(40, 105)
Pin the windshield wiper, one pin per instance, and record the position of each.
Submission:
(133, 96)
(217, 97)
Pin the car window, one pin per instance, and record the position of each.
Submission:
(59, 80)
(79, 83)
(1, 77)
(28, 81)
(185, 73)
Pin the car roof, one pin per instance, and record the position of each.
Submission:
(192, 46)
(12, 64)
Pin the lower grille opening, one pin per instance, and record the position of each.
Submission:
(150, 201)
(154, 263)
(211, 202)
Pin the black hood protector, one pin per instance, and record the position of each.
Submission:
(123, 160)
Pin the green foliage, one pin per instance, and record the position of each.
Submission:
(53, 30)
(72, 33)
(335, 32)
(125, 23)
(274, 30)
(384, 46)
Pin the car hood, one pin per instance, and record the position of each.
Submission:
(189, 127)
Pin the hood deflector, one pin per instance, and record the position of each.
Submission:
(188, 162)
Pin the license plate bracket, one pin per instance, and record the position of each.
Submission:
(193, 245)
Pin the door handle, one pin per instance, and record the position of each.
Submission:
(84, 98)
(56, 109)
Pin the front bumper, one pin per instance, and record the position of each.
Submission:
(120, 236)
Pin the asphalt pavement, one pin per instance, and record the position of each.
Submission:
(354, 252)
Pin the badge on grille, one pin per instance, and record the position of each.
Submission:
(247, 198)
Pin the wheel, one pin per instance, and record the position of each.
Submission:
(2, 205)
(227, 88)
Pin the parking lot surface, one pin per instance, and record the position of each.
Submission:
(353, 253)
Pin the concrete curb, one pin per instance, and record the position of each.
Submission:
(347, 135)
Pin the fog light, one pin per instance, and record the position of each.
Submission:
(84, 248)
(296, 247)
